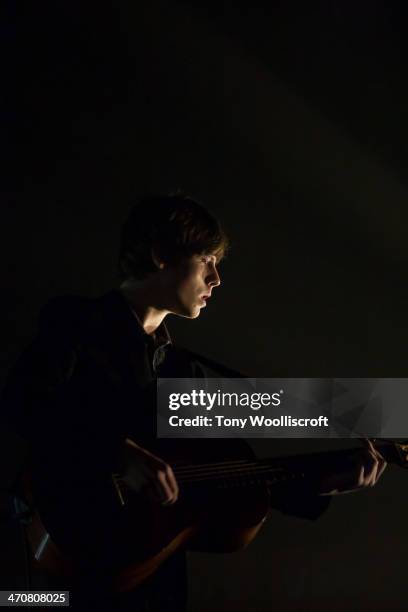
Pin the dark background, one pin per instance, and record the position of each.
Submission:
(290, 123)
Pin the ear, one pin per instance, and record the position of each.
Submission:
(158, 262)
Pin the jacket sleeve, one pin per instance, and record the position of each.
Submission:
(43, 368)
(300, 500)
(47, 402)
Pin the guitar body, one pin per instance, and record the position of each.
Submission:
(128, 542)
(222, 522)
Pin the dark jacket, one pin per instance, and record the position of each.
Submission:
(85, 384)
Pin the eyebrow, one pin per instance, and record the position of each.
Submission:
(218, 258)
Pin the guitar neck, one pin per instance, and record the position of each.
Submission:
(278, 470)
(234, 473)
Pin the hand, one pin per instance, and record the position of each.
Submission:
(365, 473)
(144, 471)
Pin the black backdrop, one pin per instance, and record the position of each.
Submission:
(290, 124)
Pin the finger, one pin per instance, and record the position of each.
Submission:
(381, 467)
(166, 492)
(382, 463)
(372, 476)
(360, 479)
(161, 495)
(156, 489)
(169, 482)
(172, 482)
(369, 444)
(380, 457)
(366, 474)
(380, 472)
(371, 469)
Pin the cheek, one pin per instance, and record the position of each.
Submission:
(185, 282)
(189, 284)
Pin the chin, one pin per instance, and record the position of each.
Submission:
(189, 313)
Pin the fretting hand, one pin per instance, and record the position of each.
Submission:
(366, 471)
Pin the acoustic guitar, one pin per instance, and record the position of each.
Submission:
(225, 497)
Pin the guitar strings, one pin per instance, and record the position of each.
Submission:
(238, 477)
(216, 465)
(221, 472)
(222, 469)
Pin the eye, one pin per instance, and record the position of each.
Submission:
(207, 259)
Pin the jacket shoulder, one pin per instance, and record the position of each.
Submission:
(69, 316)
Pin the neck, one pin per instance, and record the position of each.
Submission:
(141, 298)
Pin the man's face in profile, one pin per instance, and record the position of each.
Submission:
(188, 284)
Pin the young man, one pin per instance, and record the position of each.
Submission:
(83, 395)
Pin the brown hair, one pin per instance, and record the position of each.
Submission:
(176, 226)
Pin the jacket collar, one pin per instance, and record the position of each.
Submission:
(161, 337)
(123, 328)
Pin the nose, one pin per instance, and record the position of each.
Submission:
(213, 278)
